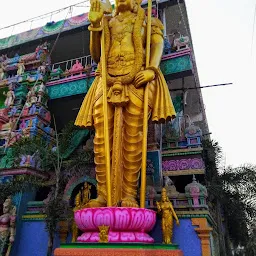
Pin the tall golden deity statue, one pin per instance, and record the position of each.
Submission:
(166, 209)
(118, 44)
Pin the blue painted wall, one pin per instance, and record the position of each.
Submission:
(20, 200)
(187, 239)
(34, 239)
(184, 235)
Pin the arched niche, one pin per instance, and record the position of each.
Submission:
(75, 184)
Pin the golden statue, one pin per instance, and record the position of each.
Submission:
(166, 209)
(78, 201)
(74, 232)
(7, 227)
(128, 77)
(103, 234)
(78, 206)
(81, 199)
(86, 194)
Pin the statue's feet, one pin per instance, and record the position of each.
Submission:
(129, 202)
(98, 202)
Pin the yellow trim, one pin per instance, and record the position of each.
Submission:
(34, 216)
(182, 150)
(183, 172)
(193, 212)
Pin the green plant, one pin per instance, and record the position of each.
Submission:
(232, 192)
(54, 160)
(19, 184)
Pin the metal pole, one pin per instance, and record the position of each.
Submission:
(145, 116)
(105, 111)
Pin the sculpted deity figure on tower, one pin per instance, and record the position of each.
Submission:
(7, 227)
(118, 44)
(10, 96)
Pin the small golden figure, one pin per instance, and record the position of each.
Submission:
(78, 206)
(86, 194)
(81, 199)
(78, 201)
(166, 209)
(74, 232)
(103, 234)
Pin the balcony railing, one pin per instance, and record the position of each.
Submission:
(68, 64)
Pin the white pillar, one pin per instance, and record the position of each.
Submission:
(164, 21)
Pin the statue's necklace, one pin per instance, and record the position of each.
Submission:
(121, 17)
(126, 20)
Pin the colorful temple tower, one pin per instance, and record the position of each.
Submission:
(175, 218)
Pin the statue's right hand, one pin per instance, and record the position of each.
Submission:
(96, 13)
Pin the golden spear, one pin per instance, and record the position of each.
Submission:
(106, 9)
(145, 115)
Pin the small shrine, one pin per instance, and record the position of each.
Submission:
(193, 134)
(196, 194)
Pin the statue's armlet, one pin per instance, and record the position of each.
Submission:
(157, 27)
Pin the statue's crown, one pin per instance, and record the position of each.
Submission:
(163, 190)
(8, 201)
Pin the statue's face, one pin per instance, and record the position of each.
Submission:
(164, 197)
(6, 208)
(124, 5)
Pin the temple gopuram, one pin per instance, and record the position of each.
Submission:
(129, 179)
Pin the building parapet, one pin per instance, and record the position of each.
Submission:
(65, 83)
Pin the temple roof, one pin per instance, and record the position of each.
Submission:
(50, 28)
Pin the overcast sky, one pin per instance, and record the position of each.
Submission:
(222, 37)
(222, 32)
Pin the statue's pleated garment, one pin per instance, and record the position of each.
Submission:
(162, 106)
(91, 115)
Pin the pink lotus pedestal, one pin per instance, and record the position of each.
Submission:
(126, 225)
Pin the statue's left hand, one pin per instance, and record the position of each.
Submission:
(144, 77)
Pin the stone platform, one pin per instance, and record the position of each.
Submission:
(110, 249)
